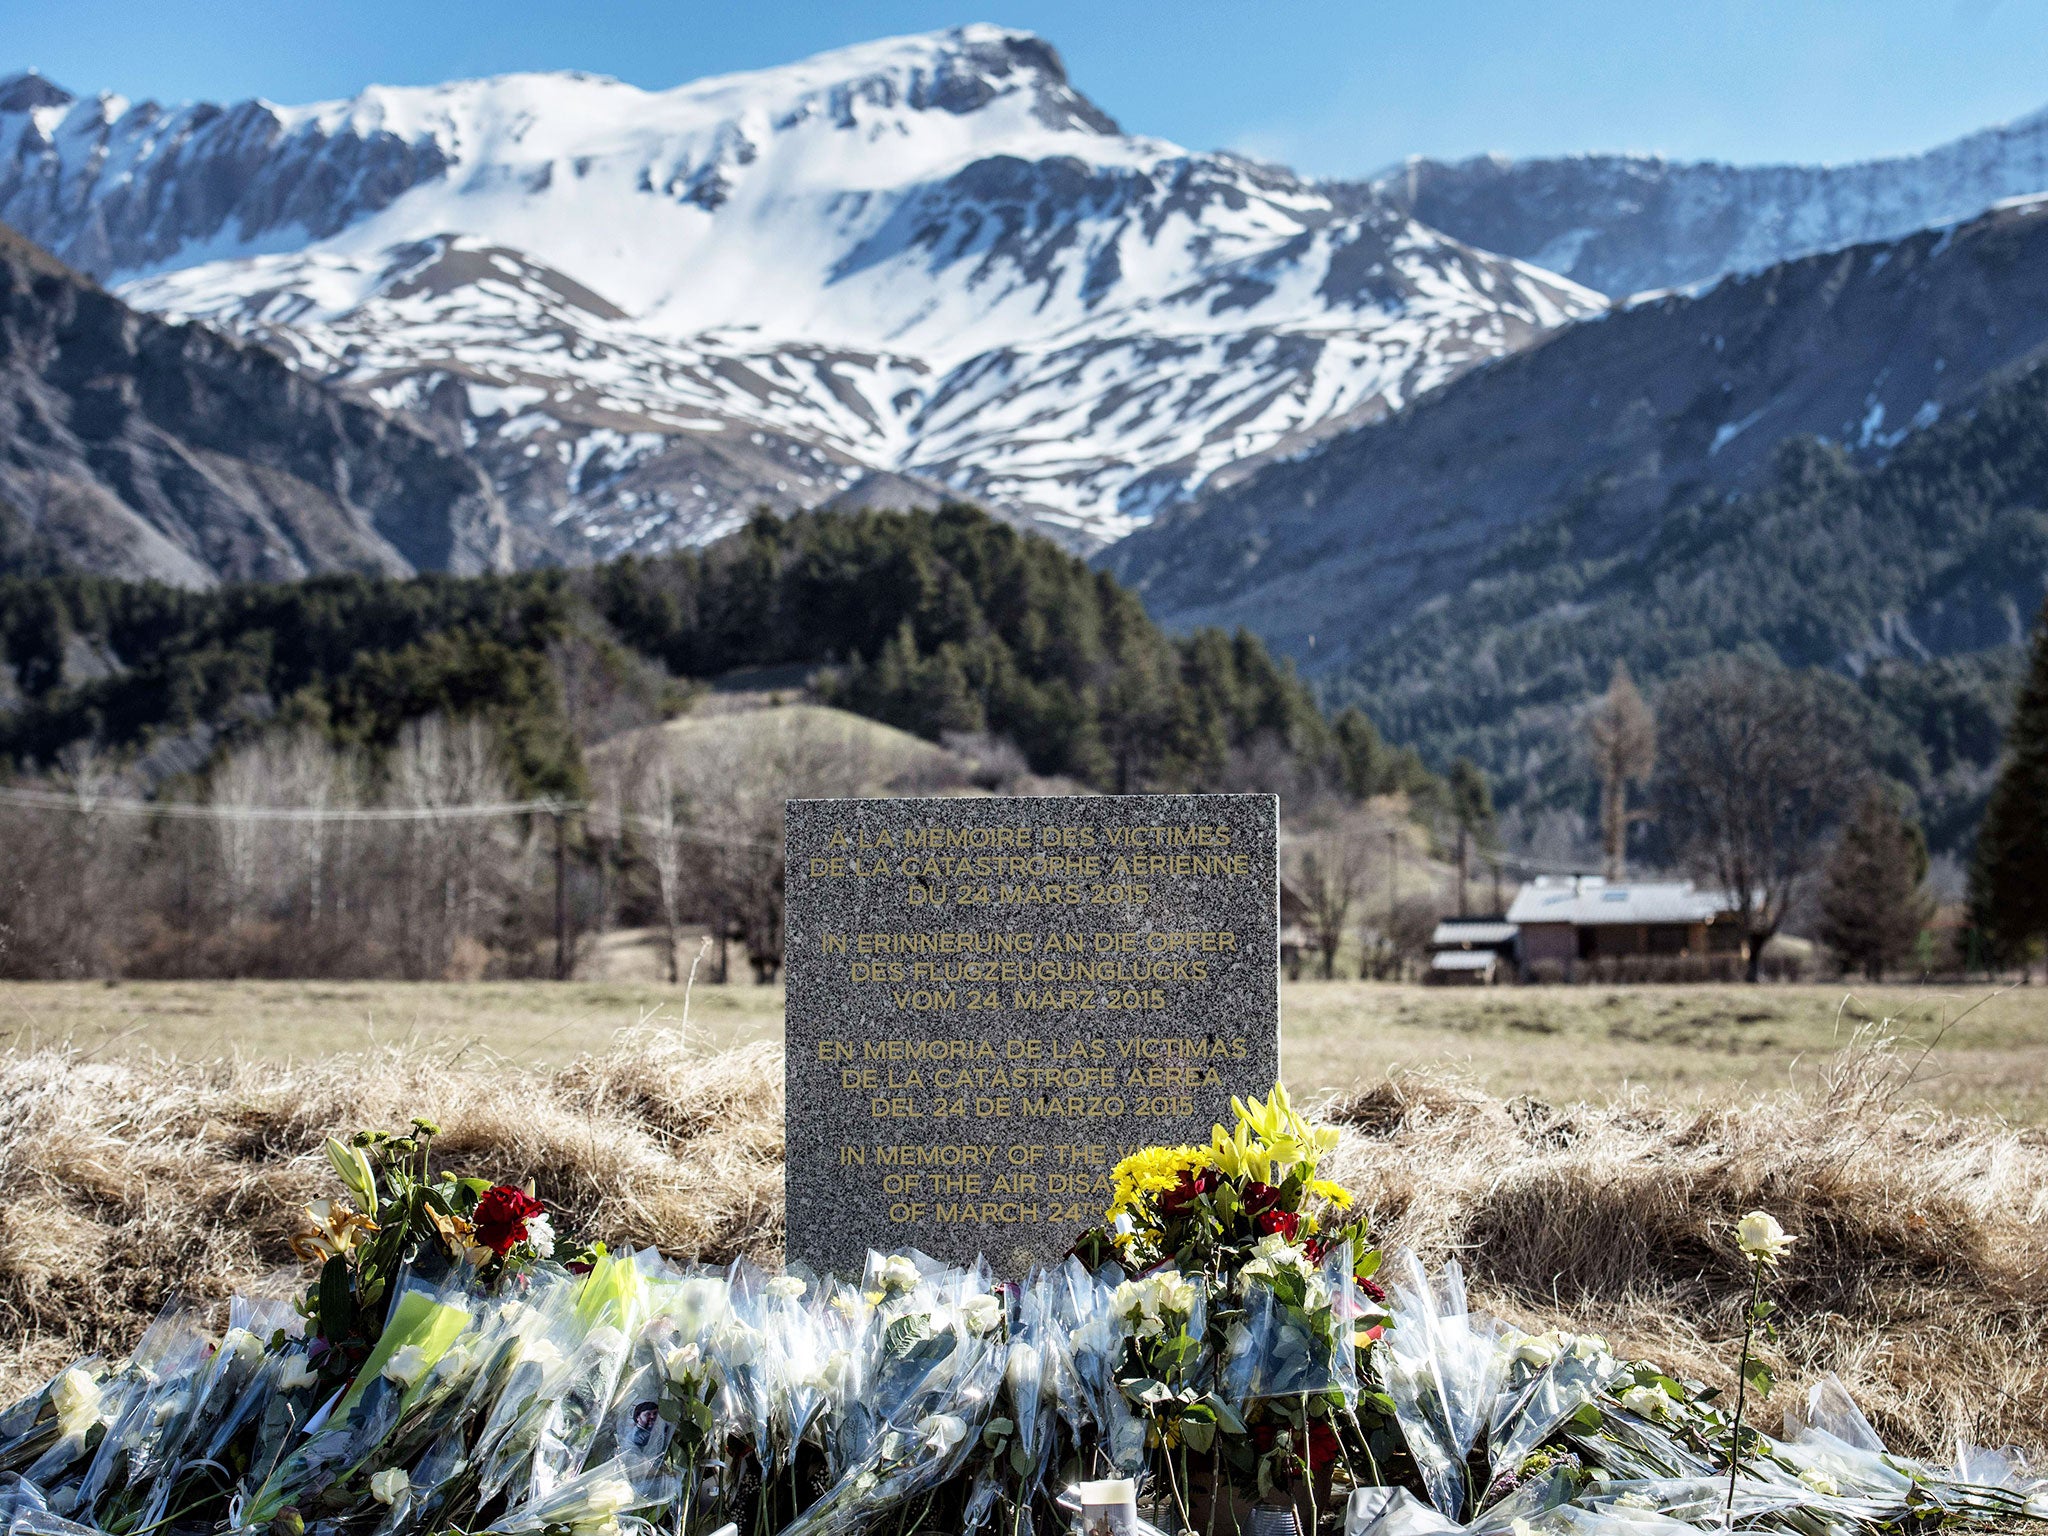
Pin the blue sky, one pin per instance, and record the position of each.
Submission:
(1328, 86)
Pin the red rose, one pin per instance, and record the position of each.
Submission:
(1192, 1187)
(1374, 1289)
(1322, 1441)
(1286, 1223)
(1260, 1197)
(1316, 1248)
(1322, 1445)
(501, 1217)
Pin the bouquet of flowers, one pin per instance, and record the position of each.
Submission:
(1221, 1342)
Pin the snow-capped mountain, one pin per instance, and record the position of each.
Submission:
(648, 312)
(1624, 224)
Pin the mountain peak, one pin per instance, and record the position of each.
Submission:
(26, 90)
(957, 70)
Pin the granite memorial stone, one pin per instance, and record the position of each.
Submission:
(992, 1001)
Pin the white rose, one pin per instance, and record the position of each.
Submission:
(682, 1363)
(1589, 1346)
(1762, 1238)
(833, 1373)
(941, 1432)
(169, 1407)
(699, 1302)
(1540, 1350)
(76, 1397)
(981, 1313)
(240, 1341)
(390, 1485)
(739, 1343)
(1820, 1482)
(405, 1365)
(785, 1287)
(540, 1236)
(899, 1274)
(1649, 1402)
(1025, 1372)
(296, 1372)
(609, 1495)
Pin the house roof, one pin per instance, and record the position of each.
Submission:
(1453, 931)
(1587, 901)
(1463, 960)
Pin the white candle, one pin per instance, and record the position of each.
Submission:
(1109, 1507)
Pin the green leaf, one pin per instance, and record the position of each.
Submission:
(1759, 1377)
(1197, 1436)
(335, 1301)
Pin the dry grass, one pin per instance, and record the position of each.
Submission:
(1706, 1043)
(1922, 1275)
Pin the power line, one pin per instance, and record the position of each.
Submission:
(86, 803)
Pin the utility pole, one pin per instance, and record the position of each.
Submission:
(561, 894)
(1464, 865)
(1393, 900)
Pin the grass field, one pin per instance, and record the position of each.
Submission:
(1988, 1051)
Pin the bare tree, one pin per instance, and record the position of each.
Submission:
(1756, 760)
(640, 786)
(734, 781)
(443, 861)
(1329, 872)
(1622, 736)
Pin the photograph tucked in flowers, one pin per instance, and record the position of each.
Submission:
(1228, 1351)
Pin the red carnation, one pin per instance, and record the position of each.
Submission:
(501, 1217)
(1374, 1289)
(1316, 1248)
(1286, 1223)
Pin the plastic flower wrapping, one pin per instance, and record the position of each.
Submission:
(1228, 1339)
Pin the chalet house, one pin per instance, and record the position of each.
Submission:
(1472, 951)
(1576, 927)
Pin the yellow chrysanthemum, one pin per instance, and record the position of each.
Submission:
(1151, 1172)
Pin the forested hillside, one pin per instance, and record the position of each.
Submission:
(1915, 582)
(946, 622)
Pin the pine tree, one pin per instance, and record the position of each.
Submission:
(2009, 880)
(1872, 905)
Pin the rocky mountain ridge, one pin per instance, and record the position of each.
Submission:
(1625, 224)
(137, 448)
